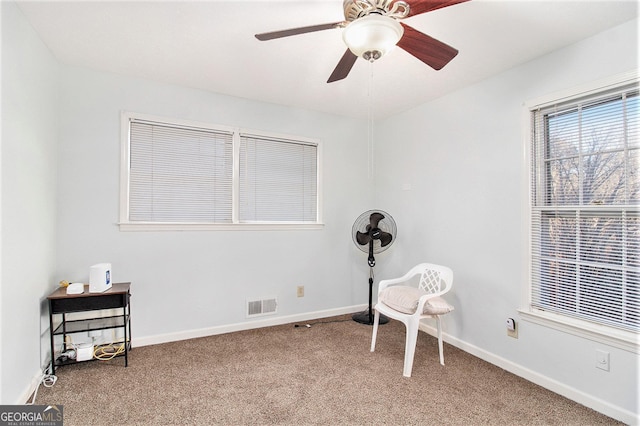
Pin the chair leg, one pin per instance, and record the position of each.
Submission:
(440, 349)
(376, 320)
(410, 347)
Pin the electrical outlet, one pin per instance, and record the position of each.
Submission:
(512, 329)
(602, 360)
(300, 291)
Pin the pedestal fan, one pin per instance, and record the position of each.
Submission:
(373, 232)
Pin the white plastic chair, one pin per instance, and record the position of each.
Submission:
(408, 301)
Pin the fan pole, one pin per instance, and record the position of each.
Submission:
(366, 317)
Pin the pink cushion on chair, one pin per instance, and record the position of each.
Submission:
(405, 299)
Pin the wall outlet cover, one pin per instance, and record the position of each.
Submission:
(602, 360)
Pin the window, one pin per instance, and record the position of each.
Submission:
(585, 227)
(277, 180)
(185, 175)
(179, 174)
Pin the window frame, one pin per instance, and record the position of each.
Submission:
(127, 225)
(622, 339)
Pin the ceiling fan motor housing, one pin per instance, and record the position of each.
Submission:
(354, 9)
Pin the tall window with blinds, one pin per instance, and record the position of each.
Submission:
(186, 175)
(585, 227)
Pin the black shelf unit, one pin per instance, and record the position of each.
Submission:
(61, 303)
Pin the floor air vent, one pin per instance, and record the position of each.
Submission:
(261, 307)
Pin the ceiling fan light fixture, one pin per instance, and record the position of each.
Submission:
(371, 36)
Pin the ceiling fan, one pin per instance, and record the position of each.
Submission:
(371, 27)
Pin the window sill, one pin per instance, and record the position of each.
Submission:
(621, 339)
(156, 226)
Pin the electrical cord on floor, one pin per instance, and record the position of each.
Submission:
(308, 325)
(46, 380)
(108, 351)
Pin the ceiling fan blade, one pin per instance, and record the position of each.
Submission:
(375, 219)
(432, 52)
(343, 67)
(301, 30)
(362, 238)
(417, 7)
(385, 238)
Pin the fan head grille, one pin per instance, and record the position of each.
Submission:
(386, 224)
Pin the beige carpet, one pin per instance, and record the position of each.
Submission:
(286, 375)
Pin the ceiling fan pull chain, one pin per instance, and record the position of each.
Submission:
(370, 122)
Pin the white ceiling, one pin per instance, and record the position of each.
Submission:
(210, 45)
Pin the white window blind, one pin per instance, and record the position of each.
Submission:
(585, 230)
(185, 175)
(179, 174)
(278, 180)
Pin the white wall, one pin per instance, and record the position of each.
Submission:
(462, 156)
(28, 192)
(183, 281)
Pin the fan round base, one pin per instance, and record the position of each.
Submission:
(363, 318)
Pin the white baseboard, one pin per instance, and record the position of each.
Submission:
(249, 325)
(597, 404)
(25, 397)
